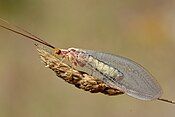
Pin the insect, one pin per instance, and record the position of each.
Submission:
(115, 71)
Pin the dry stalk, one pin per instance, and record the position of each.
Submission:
(80, 79)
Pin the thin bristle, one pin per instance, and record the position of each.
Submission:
(32, 37)
(21, 29)
(165, 100)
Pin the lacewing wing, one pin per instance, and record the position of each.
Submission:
(116, 71)
(135, 80)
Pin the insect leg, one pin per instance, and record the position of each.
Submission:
(165, 100)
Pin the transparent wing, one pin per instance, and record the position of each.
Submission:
(137, 81)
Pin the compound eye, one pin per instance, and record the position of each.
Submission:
(71, 49)
(58, 52)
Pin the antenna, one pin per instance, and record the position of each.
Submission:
(165, 100)
(29, 36)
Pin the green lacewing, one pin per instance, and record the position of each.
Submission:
(114, 70)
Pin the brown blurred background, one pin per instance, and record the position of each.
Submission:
(143, 30)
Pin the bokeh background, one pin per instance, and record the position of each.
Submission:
(143, 30)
